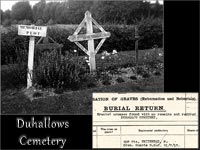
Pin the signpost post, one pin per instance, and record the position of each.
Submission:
(32, 31)
(30, 61)
(89, 36)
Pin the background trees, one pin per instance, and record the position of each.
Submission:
(38, 10)
(117, 17)
(72, 12)
(21, 11)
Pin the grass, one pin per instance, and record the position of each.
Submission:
(13, 100)
(76, 102)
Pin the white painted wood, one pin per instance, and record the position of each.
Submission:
(81, 47)
(99, 45)
(90, 42)
(98, 26)
(83, 37)
(79, 27)
(30, 62)
(90, 37)
(32, 30)
(39, 40)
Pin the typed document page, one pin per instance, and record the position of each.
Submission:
(145, 120)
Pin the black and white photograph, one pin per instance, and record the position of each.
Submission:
(92, 74)
(55, 54)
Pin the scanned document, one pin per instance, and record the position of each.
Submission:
(145, 120)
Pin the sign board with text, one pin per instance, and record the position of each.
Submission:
(31, 30)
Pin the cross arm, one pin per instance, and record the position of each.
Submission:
(83, 37)
(81, 47)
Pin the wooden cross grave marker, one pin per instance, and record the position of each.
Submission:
(32, 31)
(137, 37)
(89, 36)
(47, 43)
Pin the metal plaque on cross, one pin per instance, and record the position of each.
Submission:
(90, 37)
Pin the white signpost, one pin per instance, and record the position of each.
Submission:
(32, 31)
(89, 36)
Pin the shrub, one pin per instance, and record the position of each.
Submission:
(122, 37)
(120, 80)
(133, 77)
(59, 71)
(26, 22)
(140, 70)
(37, 94)
(10, 42)
(60, 35)
(155, 56)
(14, 22)
(39, 22)
(91, 82)
(58, 90)
(14, 76)
(50, 22)
(106, 82)
(52, 70)
(151, 30)
(146, 75)
(157, 73)
(6, 22)
(104, 78)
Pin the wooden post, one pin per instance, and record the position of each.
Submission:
(136, 51)
(30, 62)
(136, 44)
(32, 31)
(90, 42)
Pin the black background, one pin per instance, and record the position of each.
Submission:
(181, 48)
(78, 135)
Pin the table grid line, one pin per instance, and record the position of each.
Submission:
(184, 134)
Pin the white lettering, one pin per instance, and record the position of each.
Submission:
(20, 139)
(20, 123)
(63, 143)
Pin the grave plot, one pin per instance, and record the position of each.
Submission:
(98, 70)
(60, 80)
(57, 73)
